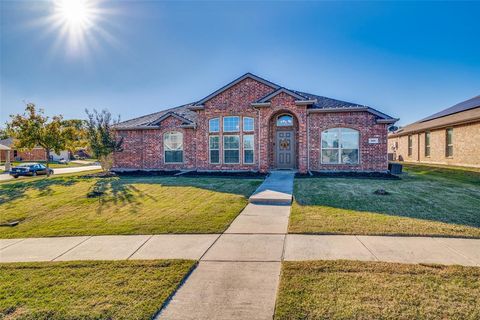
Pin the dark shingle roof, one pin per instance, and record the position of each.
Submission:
(7, 142)
(191, 116)
(149, 120)
(459, 107)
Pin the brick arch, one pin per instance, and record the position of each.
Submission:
(272, 131)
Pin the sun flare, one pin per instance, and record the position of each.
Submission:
(75, 14)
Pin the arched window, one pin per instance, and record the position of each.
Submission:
(340, 146)
(173, 147)
(214, 125)
(284, 120)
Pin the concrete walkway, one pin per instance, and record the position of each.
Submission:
(238, 273)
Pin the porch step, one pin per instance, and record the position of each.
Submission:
(276, 189)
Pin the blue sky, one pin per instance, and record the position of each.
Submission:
(408, 59)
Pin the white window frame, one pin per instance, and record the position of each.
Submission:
(253, 124)
(210, 125)
(229, 149)
(339, 148)
(210, 149)
(165, 148)
(231, 117)
(252, 148)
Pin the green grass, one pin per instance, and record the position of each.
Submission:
(374, 290)
(77, 205)
(426, 201)
(88, 290)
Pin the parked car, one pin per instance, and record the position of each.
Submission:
(29, 169)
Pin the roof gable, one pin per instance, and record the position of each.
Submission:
(167, 115)
(234, 82)
(268, 97)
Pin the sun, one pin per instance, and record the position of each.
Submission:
(75, 14)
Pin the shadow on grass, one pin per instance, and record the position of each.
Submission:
(121, 190)
(433, 195)
(17, 190)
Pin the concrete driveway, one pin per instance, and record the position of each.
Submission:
(5, 176)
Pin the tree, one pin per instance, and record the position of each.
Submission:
(33, 128)
(101, 138)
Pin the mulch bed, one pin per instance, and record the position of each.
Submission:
(352, 175)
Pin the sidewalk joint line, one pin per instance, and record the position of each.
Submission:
(371, 252)
(11, 244)
(456, 251)
(135, 251)
(71, 248)
(215, 241)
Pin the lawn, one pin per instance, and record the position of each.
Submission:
(79, 205)
(88, 290)
(376, 290)
(432, 201)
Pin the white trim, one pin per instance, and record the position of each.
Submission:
(224, 149)
(339, 148)
(165, 150)
(223, 124)
(253, 149)
(219, 151)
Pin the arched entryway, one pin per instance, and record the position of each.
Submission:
(284, 141)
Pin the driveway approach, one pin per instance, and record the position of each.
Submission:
(238, 273)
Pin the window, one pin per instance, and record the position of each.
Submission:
(214, 145)
(248, 124)
(231, 124)
(410, 145)
(284, 121)
(173, 147)
(231, 149)
(248, 149)
(214, 125)
(449, 143)
(340, 146)
(427, 144)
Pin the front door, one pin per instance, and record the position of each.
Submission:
(285, 150)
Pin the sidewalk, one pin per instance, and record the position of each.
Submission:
(238, 273)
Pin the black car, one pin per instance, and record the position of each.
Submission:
(29, 169)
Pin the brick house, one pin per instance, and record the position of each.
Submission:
(256, 125)
(451, 136)
(35, 154)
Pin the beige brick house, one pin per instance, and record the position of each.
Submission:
(451, 136)
(252, 124)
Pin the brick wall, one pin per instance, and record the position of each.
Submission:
(372, 157)
(36, 154)
(143, 149)
(466, 146)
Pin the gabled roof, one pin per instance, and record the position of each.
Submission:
(7, 142)
(459, 107)
(269, 96)
(186, 113)
(153, 120)
(234, 82)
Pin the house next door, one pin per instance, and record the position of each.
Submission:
(285, 150)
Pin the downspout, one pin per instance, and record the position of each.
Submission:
(308, 142)
(258, 142)
(418, 147)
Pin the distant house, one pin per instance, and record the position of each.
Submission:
(451, 136)
(35, 154)
(256, 125)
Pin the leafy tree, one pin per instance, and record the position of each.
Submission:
(33, 128)
(101, 138)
